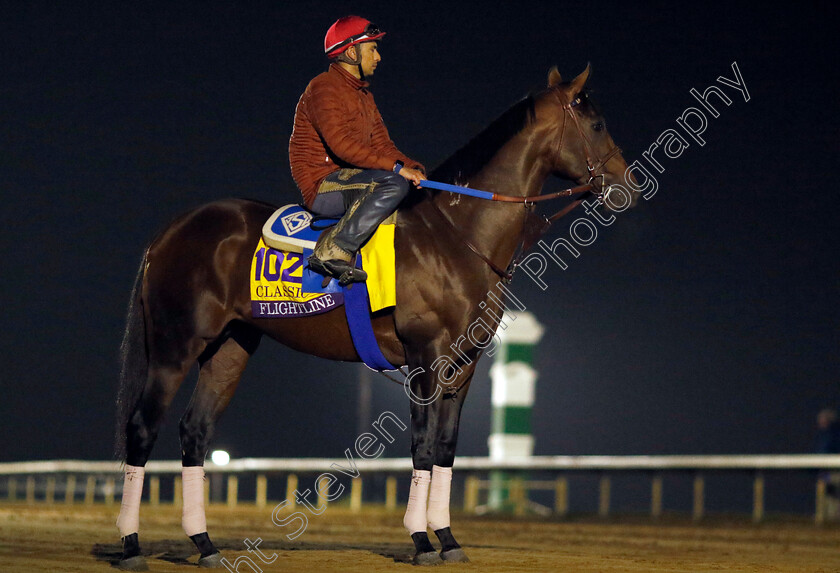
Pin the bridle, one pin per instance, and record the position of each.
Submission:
(536, 225)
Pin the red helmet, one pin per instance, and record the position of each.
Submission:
(349, 31)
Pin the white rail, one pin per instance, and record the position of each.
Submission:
(103, 481)
(556, 463)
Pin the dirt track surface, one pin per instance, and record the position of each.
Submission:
(60, 538)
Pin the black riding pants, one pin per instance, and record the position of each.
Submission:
(364, 197)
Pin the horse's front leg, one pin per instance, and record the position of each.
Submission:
(437, 514)
(434, 433)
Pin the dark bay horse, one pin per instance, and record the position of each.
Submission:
(191, 303)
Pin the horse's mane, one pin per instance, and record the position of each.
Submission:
(473, 156)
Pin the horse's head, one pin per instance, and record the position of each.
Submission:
(580, 147)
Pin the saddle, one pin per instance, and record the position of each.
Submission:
(290, 229)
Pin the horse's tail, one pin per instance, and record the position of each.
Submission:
(134, 362)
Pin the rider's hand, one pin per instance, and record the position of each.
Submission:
(413, 175)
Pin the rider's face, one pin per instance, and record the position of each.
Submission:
(370, 57)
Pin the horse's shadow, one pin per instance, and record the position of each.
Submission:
(180, 551)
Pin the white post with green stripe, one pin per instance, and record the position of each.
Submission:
(514, 380)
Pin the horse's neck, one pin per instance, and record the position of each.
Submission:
(517, 170)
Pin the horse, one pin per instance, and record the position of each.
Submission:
(191, 304)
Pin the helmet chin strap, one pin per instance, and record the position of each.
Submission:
(343, 57)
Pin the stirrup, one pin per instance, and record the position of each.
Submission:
(337, 269)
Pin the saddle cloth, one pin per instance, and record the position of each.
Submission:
(283, 286)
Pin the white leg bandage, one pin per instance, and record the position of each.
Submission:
(438, 512)
(193, 518)
(129, 520)
(415, 513)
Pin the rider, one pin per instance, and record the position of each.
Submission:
(341, 155)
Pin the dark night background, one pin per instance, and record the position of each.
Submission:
(704, 321)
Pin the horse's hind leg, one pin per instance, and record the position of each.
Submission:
(141, 433)
(221, 369)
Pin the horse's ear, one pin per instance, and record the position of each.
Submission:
(579, 82)
(554, 77)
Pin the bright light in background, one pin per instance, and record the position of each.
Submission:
(220, 457)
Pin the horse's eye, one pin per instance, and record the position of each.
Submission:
(576, 102)
(598, 126)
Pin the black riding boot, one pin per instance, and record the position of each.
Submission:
(335, 253)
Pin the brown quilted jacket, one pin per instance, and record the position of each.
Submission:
(337, 125)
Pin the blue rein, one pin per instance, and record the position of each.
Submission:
(426, 183)
(457, 189)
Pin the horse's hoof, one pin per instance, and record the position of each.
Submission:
(213, 561)
(136, 563)
(427, 558)
(456, 555)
